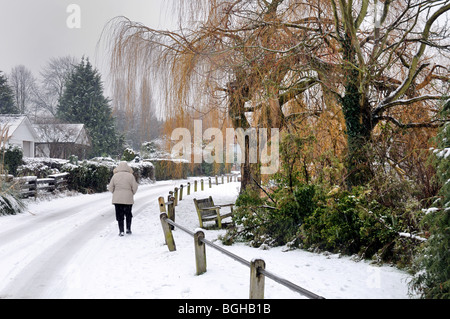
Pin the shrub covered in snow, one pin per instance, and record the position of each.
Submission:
(10, 202)
(129, 155)
(87, 176)
(432, 278)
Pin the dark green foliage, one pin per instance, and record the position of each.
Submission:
(358, 136)
(10, 201)
(432, 279)
(12, 158)
(83, 102)
(7, 105)
(251, 219)
(263, 222)
(88, 177)
(350, 223)
(129, 155)
(357, 120)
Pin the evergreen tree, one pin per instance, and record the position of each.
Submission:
(432, 279)
(83, 102)
(7, 105)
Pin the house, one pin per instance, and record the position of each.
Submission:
(44, 140)
(20, 132)
(61, 140)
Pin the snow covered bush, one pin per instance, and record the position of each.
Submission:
(352, 222)
(40, 167)
(129, 155)
(93, 176)
(315, 217)
(143, 171)
(88, 177)
(84, 176)
(432, 279)
(10, 201)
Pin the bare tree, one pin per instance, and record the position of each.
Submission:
(139, 122)
(23, 84)
(54, 76)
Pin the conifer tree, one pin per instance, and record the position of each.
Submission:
(7, 105)
(83, 101)
(432, 279)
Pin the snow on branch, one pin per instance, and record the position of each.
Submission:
(409, 235)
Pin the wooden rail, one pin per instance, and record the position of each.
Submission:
(30, 185)
(257, 267)
(258, 271)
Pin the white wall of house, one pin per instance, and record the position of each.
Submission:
(24, 137)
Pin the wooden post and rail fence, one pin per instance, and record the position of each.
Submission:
(258, 271)
(30, 185)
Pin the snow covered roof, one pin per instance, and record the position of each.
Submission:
(13, 121)
(61, 133)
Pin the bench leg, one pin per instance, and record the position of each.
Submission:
(219, 219)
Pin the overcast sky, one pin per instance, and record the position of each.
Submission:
(33, 31)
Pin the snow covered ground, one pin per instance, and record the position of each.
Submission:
(69, 248)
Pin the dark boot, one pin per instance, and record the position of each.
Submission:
(129, 226)
(120, 227)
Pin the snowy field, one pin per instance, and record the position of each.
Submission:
(69, 248)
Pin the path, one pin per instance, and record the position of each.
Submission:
(69, 248)
(38, 246)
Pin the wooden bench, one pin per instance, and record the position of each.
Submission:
(207, 211)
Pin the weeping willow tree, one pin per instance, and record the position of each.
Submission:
(235, 59)
(284, 61)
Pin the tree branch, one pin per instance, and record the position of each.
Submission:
(383, 107)
(434, 123)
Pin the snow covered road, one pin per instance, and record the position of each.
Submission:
(69, 248)
(36, 247)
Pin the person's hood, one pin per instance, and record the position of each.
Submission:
(123, 167)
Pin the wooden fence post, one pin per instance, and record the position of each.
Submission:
(200, 252)
(201, 185)
(170, 242)
(256, 279)
(162, 205)
(195, 185)
(181, 192)
(171, 210)
(175, 195)
(188, 188)
(209, 182)
(222, 178)
(217, 181)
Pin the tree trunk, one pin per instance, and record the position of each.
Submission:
(358, 125)
(238, 94)
(358, 138)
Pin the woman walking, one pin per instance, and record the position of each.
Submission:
(123, 185)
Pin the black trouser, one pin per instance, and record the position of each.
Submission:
(123, 212)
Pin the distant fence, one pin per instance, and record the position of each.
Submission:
(30, 185)
(257, 267)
